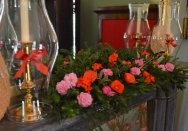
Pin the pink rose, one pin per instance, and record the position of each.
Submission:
(62, 87)
(71, 79)
(162, 67)
(107, 72)
(169, 67)
(84, 99)
(135, 71)
(108, 91)
(139, 62)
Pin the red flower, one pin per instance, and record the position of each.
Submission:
(148, 78)
(124, 62)
(155, 63)
(145, 53)
(83, 83)
(170, 40)
(113, 58)
(117, 86)
(129, 78)
(88, 78)
(96, 66)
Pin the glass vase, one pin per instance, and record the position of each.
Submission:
(32, 60)
(137, 32)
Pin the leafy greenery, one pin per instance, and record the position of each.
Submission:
(67, 106)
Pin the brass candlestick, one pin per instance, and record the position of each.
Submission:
(28, 111)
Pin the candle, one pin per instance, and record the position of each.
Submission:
(138, 24)
(38, 108)
(24, 15)
(34, 108)
(23, 110)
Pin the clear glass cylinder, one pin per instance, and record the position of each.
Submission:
(31, 23)
(8, 47)
(166, 35)
(8, 37)
(162, 28)
(29, 47)
(175, 28)
(137, 32)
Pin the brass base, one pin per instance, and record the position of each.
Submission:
(30, 114)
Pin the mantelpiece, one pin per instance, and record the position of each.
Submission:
(160, 116)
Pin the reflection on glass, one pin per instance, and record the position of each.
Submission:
(137, 32)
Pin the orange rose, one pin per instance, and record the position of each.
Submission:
(83, 83)
(113, 58)
(124, 62)
(145, 53)
(117, 86)
(145, 74)
(90, 76)
(96, 66)
(148, 78)
(129, 78)
(155, 63)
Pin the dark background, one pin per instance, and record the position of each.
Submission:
(61, 13)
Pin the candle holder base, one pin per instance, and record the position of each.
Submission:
(32, 114)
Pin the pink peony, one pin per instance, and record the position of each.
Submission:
(107, 72)
(162, 67)
(71, 79)
(84, 99)
(135, 71)
(169, 67)
(62, 87)
(108, 91)
(139, 62)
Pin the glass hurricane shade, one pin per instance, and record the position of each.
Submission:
(137, 32)
(27, 21)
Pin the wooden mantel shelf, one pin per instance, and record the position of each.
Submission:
(160, 116)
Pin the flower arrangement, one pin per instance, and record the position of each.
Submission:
(108, 79)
